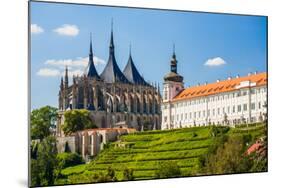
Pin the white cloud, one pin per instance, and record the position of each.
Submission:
(36, 29)
(75, 66)
(78, 62)
(77, 72)
(67, 30)
(48, 72)
(98, 61)
(214, 62)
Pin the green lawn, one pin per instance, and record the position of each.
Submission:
(145, 150)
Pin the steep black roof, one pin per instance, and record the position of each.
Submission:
(112, 72)
(132, 74)
(91, 70)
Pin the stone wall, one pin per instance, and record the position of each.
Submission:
(70, 141)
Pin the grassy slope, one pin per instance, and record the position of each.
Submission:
(146, 149)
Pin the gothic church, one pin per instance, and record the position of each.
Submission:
(113, 97)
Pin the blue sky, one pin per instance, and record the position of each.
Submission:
(208, 46)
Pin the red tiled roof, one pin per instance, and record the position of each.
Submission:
(253, 148)
(220, 87)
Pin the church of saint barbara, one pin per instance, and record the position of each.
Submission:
(115, 98)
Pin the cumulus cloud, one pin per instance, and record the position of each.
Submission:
(75, 66)
(36, 29)
(46, 72)
(78, 62)
(67, 30)
(76, 72)
(214, 62)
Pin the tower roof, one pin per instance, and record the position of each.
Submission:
(112, 72)
(132, 74)
(173, 75)
(91, 70)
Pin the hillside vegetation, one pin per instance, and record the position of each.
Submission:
(160, 154)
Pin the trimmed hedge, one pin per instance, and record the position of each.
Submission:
(68, 159)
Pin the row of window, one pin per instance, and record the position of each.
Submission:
(234, 121)
(216, 98)
(217, 111)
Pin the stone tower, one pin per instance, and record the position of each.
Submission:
(173, 82)
(172, 86)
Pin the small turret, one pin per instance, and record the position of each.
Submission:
(173, 75)
(173, 82)
(66, 77)
(65, 92)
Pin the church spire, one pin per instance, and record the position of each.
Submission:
(111, 45)
(174, 53)
(112, 73)
(61, 84)
(91, 48)
(130, 50)
(174, 61)
(66, 76)
(91, 70)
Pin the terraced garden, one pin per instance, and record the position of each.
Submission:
(142, 152)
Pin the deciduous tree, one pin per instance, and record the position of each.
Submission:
(76, 120)
(42, 120)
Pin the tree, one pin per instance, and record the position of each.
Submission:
(42, 120)
(168, 169)
(228, 158)
(76, 120)
(46, 161)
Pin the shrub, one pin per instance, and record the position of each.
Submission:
(194, 134)
(168, 169)
(68, 159)
(228, 158)
(128, 174)
(111, 174)
(218, 131)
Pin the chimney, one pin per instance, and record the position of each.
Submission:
(237, 76)
(249, 74)
(229, 78)
(218, 80)
(255, 72)
(198, 84)
(205, 83)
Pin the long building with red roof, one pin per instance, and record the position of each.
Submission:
(224, 102)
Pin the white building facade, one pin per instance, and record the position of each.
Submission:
(227, 102)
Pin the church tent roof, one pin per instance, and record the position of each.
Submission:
(132, 74)
(112, 72)
(90, 69)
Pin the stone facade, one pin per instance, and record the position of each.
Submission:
(88, 143)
